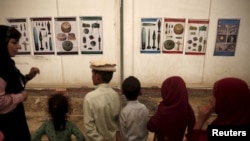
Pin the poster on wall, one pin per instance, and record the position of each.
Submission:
(66, 35)
(196, 42)
(22, 26)
(91, 35)
(226, 38)
(173, 35)
(150, 35)
(41, 29)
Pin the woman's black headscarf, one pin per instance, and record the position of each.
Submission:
(6, 63)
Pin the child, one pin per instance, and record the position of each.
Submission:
(134, 116)
(101, 106)
(58, 128)
(230, 102)
(174, 114)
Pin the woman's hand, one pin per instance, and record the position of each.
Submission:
(33, 72)
(25, 94)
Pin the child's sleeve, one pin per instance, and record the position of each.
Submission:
(37, 135)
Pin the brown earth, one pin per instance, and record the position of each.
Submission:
(36, 105)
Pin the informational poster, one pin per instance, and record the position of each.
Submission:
(41, 29)
(66, 35)
(226, 38)
(91, 35)
(150, 35)
(22, 26)
(196, 42)
(173, 35)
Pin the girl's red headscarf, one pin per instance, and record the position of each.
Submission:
(174, 113)
(232, 102)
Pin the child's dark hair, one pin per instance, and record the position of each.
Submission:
(131, 87)
(58, 108)
(106, 75)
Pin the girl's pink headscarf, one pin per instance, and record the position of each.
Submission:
(232, 102)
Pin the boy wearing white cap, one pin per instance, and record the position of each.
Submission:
(101, 106)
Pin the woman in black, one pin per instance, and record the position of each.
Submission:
(13, 123)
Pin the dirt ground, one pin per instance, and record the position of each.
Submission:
(35, 105)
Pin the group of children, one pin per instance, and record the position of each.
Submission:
(130, 123)
(133, 117)
(106, 120)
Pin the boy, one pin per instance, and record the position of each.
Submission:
(134, 116)
(102, 105)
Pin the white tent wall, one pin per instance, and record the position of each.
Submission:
(151, 69)
(197, 71)
(67, 70)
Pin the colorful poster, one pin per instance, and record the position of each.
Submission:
(22, 26)
(66, 35)
(91, 35)
(226, 38)
(173, 35)
(196, 42)
(150, 35)
(42, 36)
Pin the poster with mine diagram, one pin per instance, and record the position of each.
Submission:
(173, 39)
(150, 35)
(66, 35)
(91, 35)
(22, 26)
(196, 42)
(42, 35)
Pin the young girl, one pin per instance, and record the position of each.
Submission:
(230, 102)
(58, 128)
(174, 114)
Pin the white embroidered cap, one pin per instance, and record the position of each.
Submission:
(102, 65)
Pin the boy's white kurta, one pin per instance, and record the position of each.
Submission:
(101, 110)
